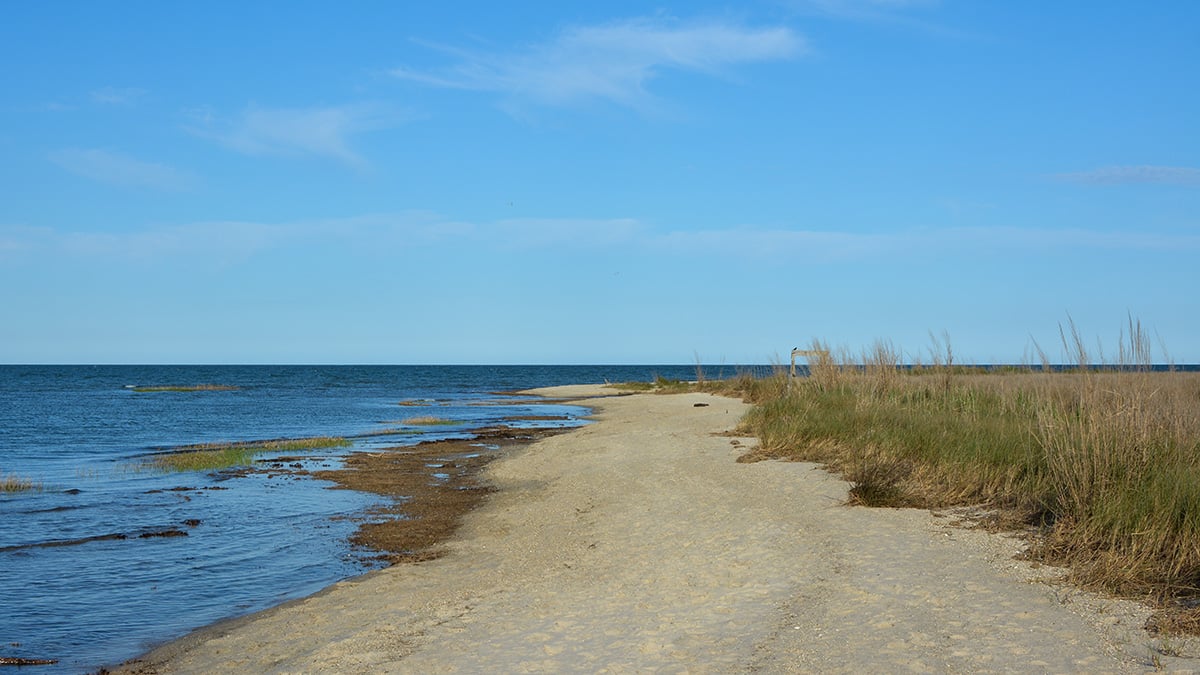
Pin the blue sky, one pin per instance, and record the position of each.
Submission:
(382, 182)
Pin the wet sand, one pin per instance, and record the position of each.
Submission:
(639, 544)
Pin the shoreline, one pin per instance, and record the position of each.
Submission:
(421, 517)
(393, 539)
(638, 542)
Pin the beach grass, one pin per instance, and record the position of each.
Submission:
(632, 386)
(660, 385)
(184, 387)
(1100, 465)
(10, 483)
(212, 456)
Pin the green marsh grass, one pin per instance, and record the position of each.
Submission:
(1102, 465)
(212, 456)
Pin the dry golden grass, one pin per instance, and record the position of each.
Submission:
(10, 483)
(1104, 465)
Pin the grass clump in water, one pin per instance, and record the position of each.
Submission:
(10, 483)
(211, 456)
(393, 432)
(185, 387)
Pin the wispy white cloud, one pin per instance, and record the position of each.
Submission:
(117, 95)
(905, 14)
(612, 62)
(117, 169)
(19, 239)
(234, 242)
(1123, 175)
(813, 245)
(563, 233)
(1025, 239)
(324, 132)
(221, 240)
(216, 242)
(772, 244)
(862, 9)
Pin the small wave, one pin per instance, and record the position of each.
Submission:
(147, 533)
(63, 542)
(57, 509)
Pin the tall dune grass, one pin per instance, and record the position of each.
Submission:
(1103, 463)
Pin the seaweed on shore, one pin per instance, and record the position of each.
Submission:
(431, 487)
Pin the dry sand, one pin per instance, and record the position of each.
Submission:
(637, 544)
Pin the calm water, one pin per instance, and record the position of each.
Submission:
(70, 589)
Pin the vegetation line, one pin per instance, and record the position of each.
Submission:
(1100, 468)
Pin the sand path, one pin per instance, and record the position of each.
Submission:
(637, 544)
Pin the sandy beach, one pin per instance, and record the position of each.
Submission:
(638, 544)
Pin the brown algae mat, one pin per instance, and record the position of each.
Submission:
(432, 485)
